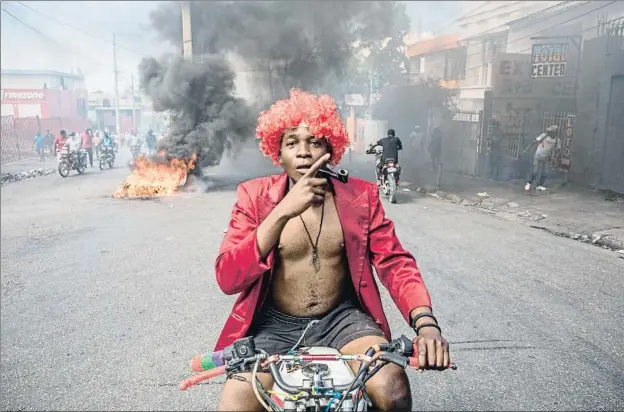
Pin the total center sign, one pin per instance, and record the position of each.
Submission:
(549, 60)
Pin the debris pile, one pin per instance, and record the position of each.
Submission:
(7, 178)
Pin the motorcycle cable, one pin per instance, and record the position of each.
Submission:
(346, 393)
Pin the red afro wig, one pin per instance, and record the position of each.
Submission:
(319, 113)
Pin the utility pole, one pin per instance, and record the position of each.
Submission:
(117, 119)
(270, 76)
(133, 103)
(187, 34)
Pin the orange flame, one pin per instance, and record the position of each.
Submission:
(151, 179)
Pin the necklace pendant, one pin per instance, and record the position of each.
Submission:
(314, 257)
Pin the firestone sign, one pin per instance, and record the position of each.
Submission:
(22, 95)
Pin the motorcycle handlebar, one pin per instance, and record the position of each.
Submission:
(213, 364)
(210, 360)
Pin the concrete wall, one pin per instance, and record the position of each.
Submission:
(596, 158)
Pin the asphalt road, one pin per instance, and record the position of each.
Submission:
(105, 301)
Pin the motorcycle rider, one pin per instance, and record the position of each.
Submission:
(107, 143)
(390, 150)
(60, 140)
(293, 289)
(73, 144)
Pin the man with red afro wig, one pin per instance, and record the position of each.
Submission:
(299, 252)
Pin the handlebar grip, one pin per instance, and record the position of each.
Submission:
(194, 380)
(413, 362)
(208, 361)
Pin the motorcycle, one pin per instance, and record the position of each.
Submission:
(135, 149)
(71, 161)
(389, 175)
(308, 379)
(107, 156)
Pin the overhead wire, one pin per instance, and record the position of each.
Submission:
(485, 32)
(64, 48)
(550, 27)
(81, 31)
(467, 14)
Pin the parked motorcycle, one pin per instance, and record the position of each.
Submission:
(71, 161)
(388, 176)
(308, 379)
(107, 157)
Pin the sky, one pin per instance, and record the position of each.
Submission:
(69, 35)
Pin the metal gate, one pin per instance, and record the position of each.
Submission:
(561, 159)
(461, 143)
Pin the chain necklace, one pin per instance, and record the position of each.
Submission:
(314, 245)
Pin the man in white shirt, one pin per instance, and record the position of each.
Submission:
(546, 143)
(73, 144)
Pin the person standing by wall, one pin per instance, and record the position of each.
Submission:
(546, 143)
(435, 151)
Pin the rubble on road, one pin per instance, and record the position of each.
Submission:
(7, 178)
(532, 212)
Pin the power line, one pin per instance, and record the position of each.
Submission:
(550, 27)
(444, 46)
(80, 30)
(463, 16)
(64, 48)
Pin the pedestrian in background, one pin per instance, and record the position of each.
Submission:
(49, 138)
(39, 143)
(435, 151)
(546, 143)
(87, 144)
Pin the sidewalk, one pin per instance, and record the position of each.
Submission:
(585, 215)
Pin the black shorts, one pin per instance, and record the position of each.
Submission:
(277, 333)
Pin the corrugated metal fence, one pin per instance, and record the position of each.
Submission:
(17, 134)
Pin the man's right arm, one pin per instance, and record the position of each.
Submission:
(246, 250)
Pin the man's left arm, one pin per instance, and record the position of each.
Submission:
(399, 273)
(399, 144)
(395, 266)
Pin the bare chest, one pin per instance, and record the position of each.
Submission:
(301, 233)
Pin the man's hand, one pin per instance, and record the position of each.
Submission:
(307, 191)
(433, 349)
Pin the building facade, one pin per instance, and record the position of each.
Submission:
(47, 94)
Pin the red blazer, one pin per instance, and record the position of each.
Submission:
(369, 240)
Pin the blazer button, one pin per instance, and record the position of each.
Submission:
(363, 284)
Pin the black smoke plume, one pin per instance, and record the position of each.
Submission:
(305, 44)
(205, 116)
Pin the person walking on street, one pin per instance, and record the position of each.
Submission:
(87, 144)
(435, 151)
(49, 141)
(39, 143)
(546, 143)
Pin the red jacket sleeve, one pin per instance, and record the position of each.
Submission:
(395, 266)
(239, 263)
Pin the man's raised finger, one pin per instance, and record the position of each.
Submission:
(317, 165)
